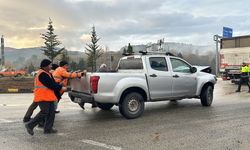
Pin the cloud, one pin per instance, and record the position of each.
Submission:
(120, 22)
(86, 37)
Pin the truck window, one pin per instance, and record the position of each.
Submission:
(130, 63)
(180, 66)
(158, 63)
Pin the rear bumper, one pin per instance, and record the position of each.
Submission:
(79, 97)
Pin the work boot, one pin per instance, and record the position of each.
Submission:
(26, 119)
(29, 130)
(51, 131)
(41, 124)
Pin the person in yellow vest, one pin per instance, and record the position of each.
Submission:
(244, 77)
(61, 76)
(46, 92)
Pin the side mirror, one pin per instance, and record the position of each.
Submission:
(193, 69)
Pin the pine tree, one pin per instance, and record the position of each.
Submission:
(130, 49)
(72, 65)
(51, 42)
(93, 50)
(81, 64)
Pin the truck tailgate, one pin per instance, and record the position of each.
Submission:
(80, 84)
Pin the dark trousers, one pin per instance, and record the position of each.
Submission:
(30, 110)
(243, 80)
(47, 113)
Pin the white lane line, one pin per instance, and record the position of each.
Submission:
(100, 144)
(12, 105)
(61, 134)
(6, 121)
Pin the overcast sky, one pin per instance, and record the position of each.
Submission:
(119, 22)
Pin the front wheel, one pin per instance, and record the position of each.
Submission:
(132, 105)
(207, 95)
(105, 106)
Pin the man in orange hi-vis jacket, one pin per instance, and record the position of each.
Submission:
(45, 94)
(61, 75)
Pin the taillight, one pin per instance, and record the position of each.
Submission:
(223, 66)
(94, 83)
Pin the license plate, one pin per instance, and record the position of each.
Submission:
(77, 100)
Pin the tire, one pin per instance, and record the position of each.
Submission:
(104, 106)
(132, 105)
(207, 96)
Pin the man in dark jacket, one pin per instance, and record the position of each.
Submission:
(34, 105)
(45, 95)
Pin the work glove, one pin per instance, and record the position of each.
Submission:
(84, 73)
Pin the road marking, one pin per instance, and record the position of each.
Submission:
(12, 105)
(61, 134)
(5, 121)
(100, 144)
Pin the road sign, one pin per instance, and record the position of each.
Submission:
(227, 32)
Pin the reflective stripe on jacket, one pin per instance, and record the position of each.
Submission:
(244, 69)
(41, 92)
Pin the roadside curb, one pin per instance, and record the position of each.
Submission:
(15, 90)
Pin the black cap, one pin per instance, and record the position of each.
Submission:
(54, 66)
(45, 63)
(63, 62)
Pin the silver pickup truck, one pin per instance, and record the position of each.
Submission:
(144, 78)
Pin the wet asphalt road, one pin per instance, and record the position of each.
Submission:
(164, 125)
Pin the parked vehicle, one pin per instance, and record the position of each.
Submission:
(12, 73)
(234, 51)
(144, 78)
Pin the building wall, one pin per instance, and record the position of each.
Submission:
(235, 42)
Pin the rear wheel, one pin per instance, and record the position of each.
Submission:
(105, 106)
(132, 105)
(207, 95)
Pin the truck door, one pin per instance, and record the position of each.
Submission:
(159, 78)
(184, 81)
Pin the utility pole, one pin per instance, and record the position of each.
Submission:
(217, 39)
(2, 51)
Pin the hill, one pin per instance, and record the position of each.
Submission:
(20, 57)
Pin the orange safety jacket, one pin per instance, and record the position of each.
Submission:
(41, 92)
(61, 76)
